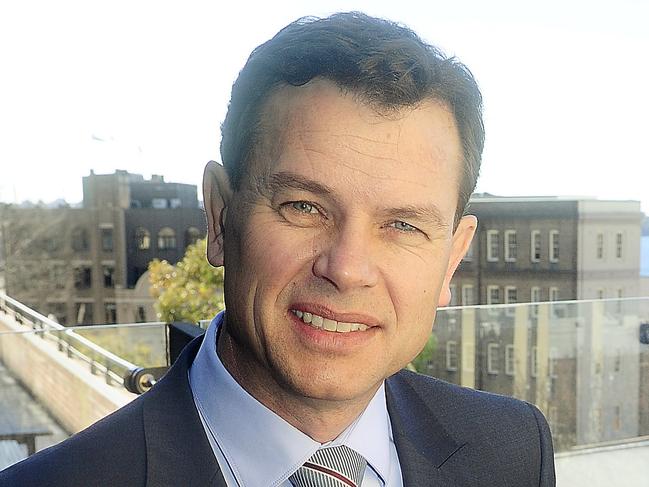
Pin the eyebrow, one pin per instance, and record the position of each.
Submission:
(429, 213)
(284, 180)
(289, 180)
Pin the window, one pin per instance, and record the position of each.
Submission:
(493, 358)
(618, 303)
(511, 249)
(453, 289)
(534, 364)
(469, 253)
(107, 239)
(166, 239)
(600, 294)
(535, 246)
(554, 245)
(617, 365)
(84, 313)
(535, 297)
(600, 246)
(509, 360)
(159, 203)
(80, 241)
(48, 244)
(140, 314)
(110, 312)
(554, 294)
(554, 358)
(619, 242)
(467, 295)
(493, 246)
(109, 276)
(175, 203)
(511, 297)
(142, 238)
(83, 277)
(192, 234)
(493, 295)
(58, 275)
(451, 356)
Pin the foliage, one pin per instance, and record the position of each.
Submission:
(191, 290)
(421, 361)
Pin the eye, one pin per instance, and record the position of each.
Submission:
(303, 207)
(403, 226)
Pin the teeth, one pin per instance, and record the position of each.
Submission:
(343, 327)
(329, 325)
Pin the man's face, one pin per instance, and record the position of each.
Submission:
(346, 222)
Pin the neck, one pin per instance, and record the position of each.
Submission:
(321, 419)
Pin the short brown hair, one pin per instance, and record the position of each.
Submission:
(386, 64)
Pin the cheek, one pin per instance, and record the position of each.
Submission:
(414, 285)
(277, 254)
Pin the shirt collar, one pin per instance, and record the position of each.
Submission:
(261, 448)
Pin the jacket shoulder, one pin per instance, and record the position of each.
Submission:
(497, 436)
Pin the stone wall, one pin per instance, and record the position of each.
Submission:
(73, 395)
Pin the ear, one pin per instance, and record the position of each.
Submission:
(216, 197)
(462, 238)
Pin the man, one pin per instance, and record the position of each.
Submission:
(350, 150)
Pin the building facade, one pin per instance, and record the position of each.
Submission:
(87, 265)
(550, 249)
(585, 356)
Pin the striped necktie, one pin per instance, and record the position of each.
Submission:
(337, 466)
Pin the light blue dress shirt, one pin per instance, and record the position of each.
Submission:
(255, 447)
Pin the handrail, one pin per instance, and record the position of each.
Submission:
(114, 368)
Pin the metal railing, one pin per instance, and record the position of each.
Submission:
(115, 370)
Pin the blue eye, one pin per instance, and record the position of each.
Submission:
(403, 226)
(304, 207)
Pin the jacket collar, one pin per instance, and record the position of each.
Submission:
(423, 444)
(178, 452)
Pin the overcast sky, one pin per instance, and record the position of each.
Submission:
(144, 85)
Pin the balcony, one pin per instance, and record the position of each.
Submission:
(585, 364)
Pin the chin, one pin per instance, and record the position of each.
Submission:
(335, 387)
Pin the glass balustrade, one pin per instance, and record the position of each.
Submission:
(585, 364)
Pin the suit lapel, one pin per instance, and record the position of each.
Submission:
(423, 444)
(178, 451)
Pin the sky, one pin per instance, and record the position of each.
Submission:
(143, 85)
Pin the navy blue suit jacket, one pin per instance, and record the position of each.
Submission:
(446, 436)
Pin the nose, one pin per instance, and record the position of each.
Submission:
(346, 259)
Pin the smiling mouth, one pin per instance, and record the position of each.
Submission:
(320, 323)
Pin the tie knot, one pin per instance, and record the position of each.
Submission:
(337, 466)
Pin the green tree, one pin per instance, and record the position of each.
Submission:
(421, 361)
(191, 290)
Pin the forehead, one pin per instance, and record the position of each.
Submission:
(326, 133)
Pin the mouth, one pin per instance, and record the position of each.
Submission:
(321, 323)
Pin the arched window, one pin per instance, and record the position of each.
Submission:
(166, 239)
(142, 238)
(192, 234)
(80, 241)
